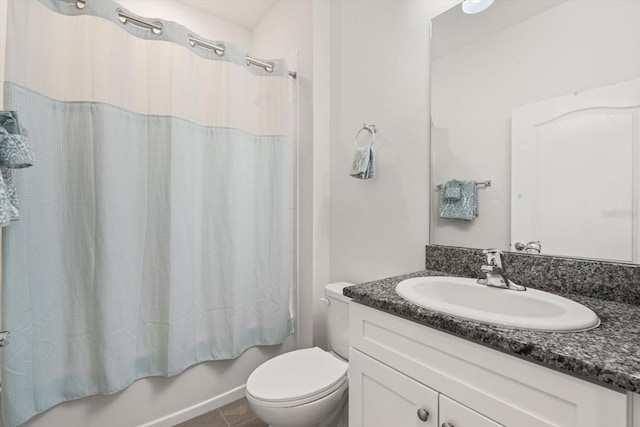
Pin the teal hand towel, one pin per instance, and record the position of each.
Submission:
(15, 148)
(9, 121)
(363, 166)
(8, 199)
(15, 152)
(466, 207)
(452, 190)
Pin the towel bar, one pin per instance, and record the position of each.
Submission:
(486, 183)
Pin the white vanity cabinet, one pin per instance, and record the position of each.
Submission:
(383, 397)
(398, 367)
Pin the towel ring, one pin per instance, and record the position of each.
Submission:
(369, 128)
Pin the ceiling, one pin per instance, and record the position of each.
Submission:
(244, 13)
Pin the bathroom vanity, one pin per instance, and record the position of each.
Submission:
(410, 366)
(398, 368)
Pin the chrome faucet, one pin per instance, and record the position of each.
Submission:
(530, 248)
(496, 273)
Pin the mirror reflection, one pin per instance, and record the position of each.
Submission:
(542, 99)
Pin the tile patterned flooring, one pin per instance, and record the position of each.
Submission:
(235, 414)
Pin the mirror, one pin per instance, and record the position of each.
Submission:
(542, 98)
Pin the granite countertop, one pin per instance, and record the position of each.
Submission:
(608, 355)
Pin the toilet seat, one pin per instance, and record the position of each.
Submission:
(296, 378)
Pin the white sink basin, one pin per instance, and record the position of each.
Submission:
(530, 309)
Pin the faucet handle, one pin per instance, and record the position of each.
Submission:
(533, 247)
(494, 257)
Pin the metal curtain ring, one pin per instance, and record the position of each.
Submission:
(369, 128)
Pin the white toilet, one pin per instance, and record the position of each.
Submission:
(308, 387)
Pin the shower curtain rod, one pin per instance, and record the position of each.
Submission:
(157, 28)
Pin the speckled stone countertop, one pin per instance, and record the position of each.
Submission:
(608, 355)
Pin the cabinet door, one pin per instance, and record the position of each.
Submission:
(453, 414)
(381, 397)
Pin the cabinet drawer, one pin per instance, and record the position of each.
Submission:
(381, 397)
(509, 390)
(453, 414)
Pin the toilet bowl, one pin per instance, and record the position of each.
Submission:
(302, 388)
(308, 387)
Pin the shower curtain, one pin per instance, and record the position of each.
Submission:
(154, 229)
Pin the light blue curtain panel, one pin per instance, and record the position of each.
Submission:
(154, 229)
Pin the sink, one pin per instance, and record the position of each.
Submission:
(530, 309)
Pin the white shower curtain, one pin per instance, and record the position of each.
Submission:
(154, 229)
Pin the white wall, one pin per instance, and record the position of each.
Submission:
(476, 87)
(380, 75)
(167, 401)
(371, 63)
(319, 233)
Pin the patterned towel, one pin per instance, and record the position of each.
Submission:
(466, 207)
(16, 152)
(452, 190)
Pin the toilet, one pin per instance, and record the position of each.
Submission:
(308, 387)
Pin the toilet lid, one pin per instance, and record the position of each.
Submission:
(297, 375)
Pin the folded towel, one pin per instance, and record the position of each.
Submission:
(8, 199)
(15, 148)
(466, 207)
(9, 121)
(15, 152)
(363, 166)
(452, 190)
(453, 193)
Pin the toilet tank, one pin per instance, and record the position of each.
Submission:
(338, 318)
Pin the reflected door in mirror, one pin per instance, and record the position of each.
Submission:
(573, 181)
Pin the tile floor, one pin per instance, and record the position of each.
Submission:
(235, 414)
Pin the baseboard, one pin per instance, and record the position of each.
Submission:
(198, 409)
